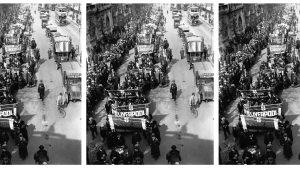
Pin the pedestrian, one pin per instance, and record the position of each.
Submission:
(33, 44)
(136, 139)
(192, 101)
(270, 156)
(233, 155)
(4, 138)
(182, 53)
(93, 127)
(49, 53)
(5, 156)
(269, 138)
(155, 152)
(288, 130)
(73, 52)
(41, 156)
(23, 130)
(173, 156)
(23, 152)
(138, 156)
(225, 127)
(41, 90)
(155, 130)
(119, 140)
(173, 90)
(287, 147)
(235, 133)
(101, 155)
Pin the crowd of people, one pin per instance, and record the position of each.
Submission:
(278, 72)
(124, 153)
(145, 72)
(253, 152)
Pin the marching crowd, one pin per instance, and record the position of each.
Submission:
(144, 73)
(279, 72)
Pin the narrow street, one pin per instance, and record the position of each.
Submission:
(194, 136)
(60, 136)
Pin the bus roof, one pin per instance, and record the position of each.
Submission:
(194, 39)
(61, 39)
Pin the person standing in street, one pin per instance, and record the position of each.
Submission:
(225, 127)
(41, 156)
(173, 90)
(41, 90)
(49, 53)
(155, 152)
(173, 156)
(23, 152)
(193, 100)
(5, 156)
(182, 53)
(93, 127)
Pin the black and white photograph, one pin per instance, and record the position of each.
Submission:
(258, 84)
(40, 84)
(150, 84)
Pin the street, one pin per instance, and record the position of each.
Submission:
(193, 136)
(60, 136)
(290, 107)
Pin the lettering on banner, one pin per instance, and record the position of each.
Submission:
(126, 119)
(270, 113)
(6, 113)
(130, 114)
(258, 119)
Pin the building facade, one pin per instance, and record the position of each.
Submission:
(106, 21)
(233, 21)
(99, 22)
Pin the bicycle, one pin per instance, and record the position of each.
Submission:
(61, 110)
(194, 110)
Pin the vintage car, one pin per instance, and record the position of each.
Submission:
(194, 47)
(177, 19)
(44, 21)
(205, 83)
(72, 82)
(182, 29)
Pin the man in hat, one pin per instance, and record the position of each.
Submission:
(225, 126)
(173, 90)
(49, 53)
(33, 44)
(182, 53)
(173, 156)
(41, 156)
(41, 90)
(93, 127)
(101, 155)
(5, 156)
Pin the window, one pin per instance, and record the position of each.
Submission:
(107, 22)
(240, 24)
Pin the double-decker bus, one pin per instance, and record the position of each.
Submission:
(193, 16)
(61, 16)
